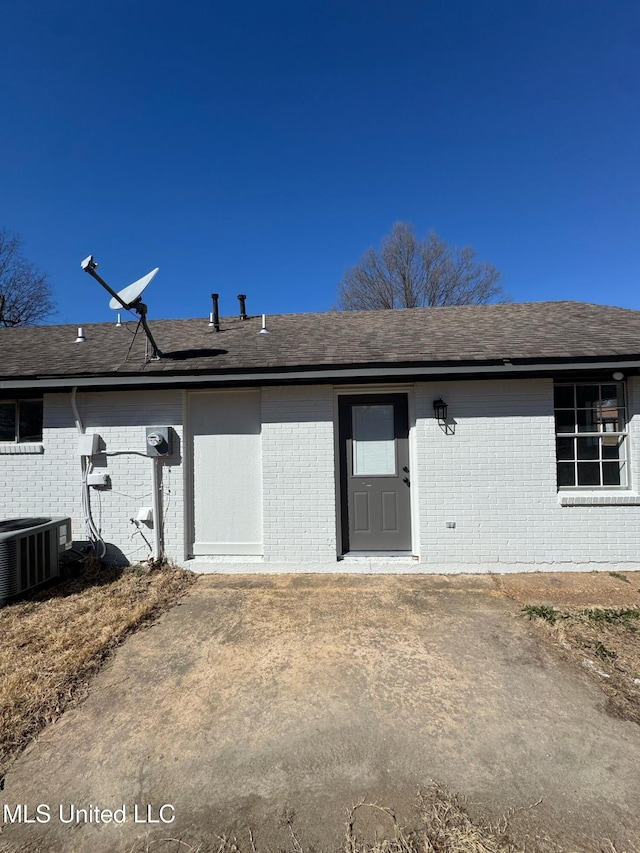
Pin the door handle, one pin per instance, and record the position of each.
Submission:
(406, 480)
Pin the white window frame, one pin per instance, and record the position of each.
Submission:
(621, 435)
(17, 439)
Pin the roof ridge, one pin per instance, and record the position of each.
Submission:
(541, 304)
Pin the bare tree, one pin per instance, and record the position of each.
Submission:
(25, 293)
(410, 273)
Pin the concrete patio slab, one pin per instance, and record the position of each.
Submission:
(259, 692)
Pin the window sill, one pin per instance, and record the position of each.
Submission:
(21, 449)
(598, 499)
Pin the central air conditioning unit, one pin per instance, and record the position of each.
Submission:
(30, 551)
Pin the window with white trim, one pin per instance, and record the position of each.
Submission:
(591, 434)
(20, 420)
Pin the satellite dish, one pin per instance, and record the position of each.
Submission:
(129, 295)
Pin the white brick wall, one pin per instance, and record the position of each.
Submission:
(496, 478)
(298, 474)
(49, 482)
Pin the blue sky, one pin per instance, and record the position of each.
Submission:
(261, 147)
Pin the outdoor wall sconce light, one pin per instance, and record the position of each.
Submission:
(440, 410)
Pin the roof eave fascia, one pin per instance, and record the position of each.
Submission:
(318, 374)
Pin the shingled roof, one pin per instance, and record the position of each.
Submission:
(534, 333)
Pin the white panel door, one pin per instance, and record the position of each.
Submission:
(226, 462)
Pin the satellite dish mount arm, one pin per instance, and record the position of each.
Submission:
(141, 308)
(89, 265)
(136, 304)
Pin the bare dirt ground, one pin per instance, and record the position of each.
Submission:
(592, 619)
(310, 693)
(572, 590)
(57, 637)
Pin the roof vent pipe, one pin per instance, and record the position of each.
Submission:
(214, 319)
(81, 338)
(243, 310)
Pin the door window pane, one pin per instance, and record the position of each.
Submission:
(374, 447)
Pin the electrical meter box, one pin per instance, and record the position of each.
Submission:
(159, 441)
(88, 444)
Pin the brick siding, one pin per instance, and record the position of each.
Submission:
(493, 474)
(495, 477)
(298, 474)
(49, 482)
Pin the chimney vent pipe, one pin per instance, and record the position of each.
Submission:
(243, 310)
(215, 318)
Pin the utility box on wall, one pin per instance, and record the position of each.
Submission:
(159, 441)
(88, 444)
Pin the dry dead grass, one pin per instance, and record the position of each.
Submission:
(53, 642)
(592, 618)
(606, 642)
(443, 825)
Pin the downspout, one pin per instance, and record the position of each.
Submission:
(74, 408)
(85, 462)
(158, 553)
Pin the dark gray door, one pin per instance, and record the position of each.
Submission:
(374, 473)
